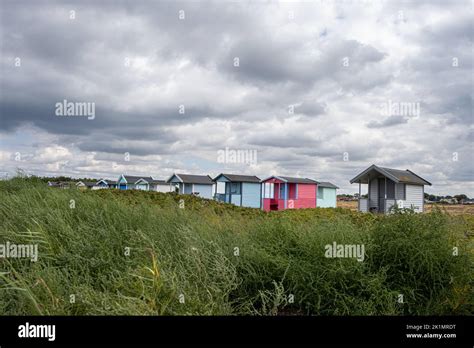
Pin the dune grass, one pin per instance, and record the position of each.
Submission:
(112, 252)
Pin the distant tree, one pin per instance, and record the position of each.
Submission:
(460, 197)
(65, 178)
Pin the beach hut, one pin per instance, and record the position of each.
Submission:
(326, 196)
(160, 186)
(199, 185)
(105, 184)
(387, 187)
(85, 185)
(132, 182)
(240, 190)
(283, 192)
(61, 184)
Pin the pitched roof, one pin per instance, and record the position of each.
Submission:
(156, 181)
(193, 179)
(86, 183)
(131, 179)
(290, 179)
(406, 176)
(397, 175)
(327, 184)
(107, 181)
(293, 180)
(240, 178)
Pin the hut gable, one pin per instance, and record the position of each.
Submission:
(388, 187)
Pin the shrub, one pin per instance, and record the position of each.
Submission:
(138, 253)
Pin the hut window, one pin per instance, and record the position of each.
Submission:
(321, 192)
(269, 187)
(220, 187)
(400, 191)
(235, 188)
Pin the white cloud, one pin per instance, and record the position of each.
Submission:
(138, 62)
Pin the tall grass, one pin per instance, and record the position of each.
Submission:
(139, 253)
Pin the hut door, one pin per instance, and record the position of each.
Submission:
(381, 191)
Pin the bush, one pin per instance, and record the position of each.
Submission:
(138, 253)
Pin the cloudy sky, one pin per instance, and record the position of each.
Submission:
(318, 89)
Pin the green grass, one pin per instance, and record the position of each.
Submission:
(280, 267)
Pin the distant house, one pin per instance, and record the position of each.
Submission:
(326, 195)
(84, 185)
(160, 186)
(240, 190)
(105, 184)
(388, 187)
(60, 184)
(199, 185)
(283, 192)
(448, 201)
(131, 182)
(66, 184)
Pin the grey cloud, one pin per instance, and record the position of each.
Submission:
(263, 58)
(388, 122)
(190, 62)
(310, 108)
